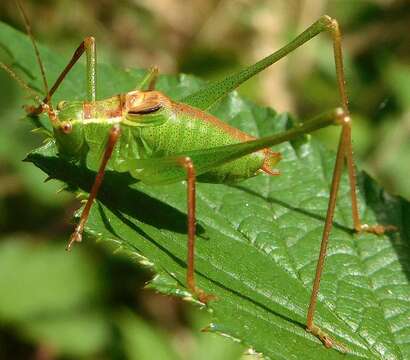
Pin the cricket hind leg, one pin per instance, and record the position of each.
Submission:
(346, 134)
(344, 153)
(113, 137)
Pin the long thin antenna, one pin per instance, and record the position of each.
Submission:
(31, 110)
(30, 34)
(22, 83)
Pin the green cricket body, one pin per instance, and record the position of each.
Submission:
(152, 126)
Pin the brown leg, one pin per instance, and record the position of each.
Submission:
(153, 80)
(337, 172)
(358, 226)
(150, 80)
(348, 151)
(88, 45)
(188, 165)
(344, 152)
(115, 133)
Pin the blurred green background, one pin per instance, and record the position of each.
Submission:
(89, 304)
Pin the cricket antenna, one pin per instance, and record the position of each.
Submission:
(22, 83)
(43, 107)
(30, 34)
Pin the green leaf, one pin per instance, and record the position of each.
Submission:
(258, 241)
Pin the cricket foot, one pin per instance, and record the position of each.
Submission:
(376, 229)
(202, 296)
(76, 236)
(325, 338)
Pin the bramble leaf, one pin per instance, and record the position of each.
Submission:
(257, 241)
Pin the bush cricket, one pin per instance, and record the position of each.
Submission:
(160, 141)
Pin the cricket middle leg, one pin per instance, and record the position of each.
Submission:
(188, 165)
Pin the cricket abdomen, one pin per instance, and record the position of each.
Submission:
(189, 129)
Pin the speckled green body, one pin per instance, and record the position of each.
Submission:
(185, 131)
(174, 129)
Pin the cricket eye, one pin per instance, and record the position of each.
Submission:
(61, 104)
(66, 127)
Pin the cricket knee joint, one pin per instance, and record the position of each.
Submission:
(89, 42)
(187, 163)
(331, 24)
(115, 132)
(342, 117)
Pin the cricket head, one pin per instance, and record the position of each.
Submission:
(68, 128)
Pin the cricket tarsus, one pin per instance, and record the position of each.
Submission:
(377, 229)
(114, 135)
(327, 341)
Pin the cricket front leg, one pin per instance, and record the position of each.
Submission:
(150, 80)
(88, 46)
(188, 165)
(77, 235)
